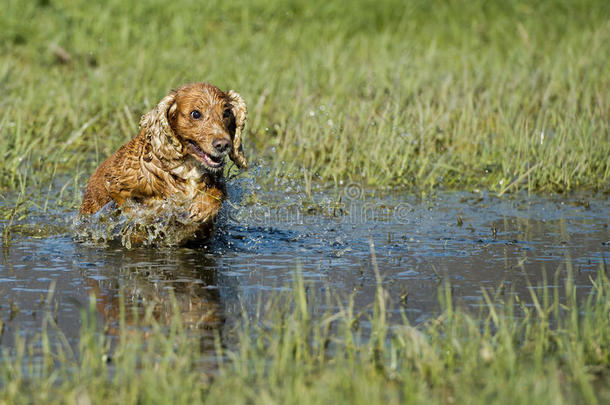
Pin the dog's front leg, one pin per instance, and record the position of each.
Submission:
(206, 205)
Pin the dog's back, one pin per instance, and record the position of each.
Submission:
(97, 193)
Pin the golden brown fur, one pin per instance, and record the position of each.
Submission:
(180, 149)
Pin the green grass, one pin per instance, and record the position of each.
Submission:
(553, 351)
(502, 95)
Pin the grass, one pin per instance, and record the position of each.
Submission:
(503, 95)
(549, 351)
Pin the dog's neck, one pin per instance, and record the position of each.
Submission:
(190, 169)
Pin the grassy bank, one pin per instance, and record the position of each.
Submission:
(501, 95)
(553, 351)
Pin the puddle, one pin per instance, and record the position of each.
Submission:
(473, 240)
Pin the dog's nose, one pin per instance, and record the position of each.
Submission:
(221, 145)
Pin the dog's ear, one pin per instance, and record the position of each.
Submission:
(158, 130)
(238, 107)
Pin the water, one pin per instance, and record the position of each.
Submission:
(159, 224)
(474, 240)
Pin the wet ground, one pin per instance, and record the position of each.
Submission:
(474, 240)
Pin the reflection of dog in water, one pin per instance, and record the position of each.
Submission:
(179, 153)
(160, 292)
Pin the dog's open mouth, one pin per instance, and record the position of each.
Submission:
(213, 162)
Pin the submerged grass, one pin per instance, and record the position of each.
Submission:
(550, 351)
(498, 94)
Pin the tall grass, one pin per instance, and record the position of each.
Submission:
(498, 94)
(551, 350)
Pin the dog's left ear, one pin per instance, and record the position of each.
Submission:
(238, 107)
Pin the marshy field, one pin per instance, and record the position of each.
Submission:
(425, 219)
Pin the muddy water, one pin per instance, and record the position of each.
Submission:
(474, 240)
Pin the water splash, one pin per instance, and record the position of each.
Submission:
(251, 211)
(161, 223)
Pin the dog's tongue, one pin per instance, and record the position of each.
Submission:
(209, 160)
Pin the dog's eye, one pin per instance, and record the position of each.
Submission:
(195, 114)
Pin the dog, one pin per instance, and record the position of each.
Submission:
(180, 151)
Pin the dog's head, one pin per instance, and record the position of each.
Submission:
(200, 120)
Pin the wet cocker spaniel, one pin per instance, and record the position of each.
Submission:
(179, 151)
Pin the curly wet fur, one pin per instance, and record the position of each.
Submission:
(175, 154)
